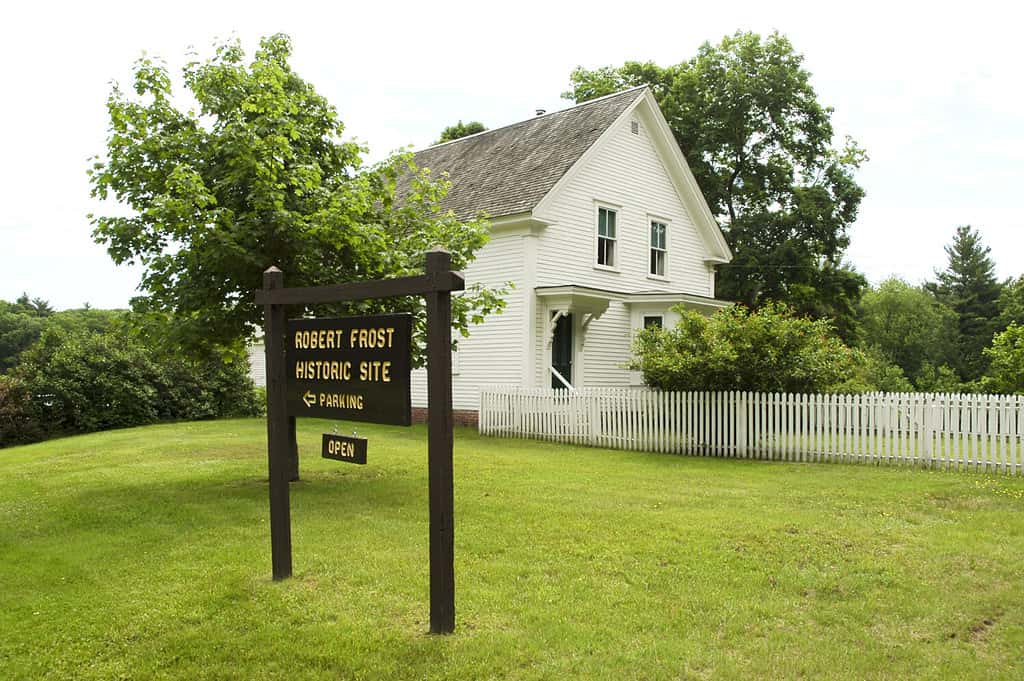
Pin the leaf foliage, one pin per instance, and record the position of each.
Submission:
(762, 149)
(259, 175)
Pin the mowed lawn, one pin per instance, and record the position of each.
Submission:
(145, 553)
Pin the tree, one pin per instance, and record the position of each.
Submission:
(23, 322)
(761, 148)
(37, 307)
(1011, 302)
(877, 373)
(1005, 372)
(257, 177)
(769, 349)
(908, 326)
(460, 129)
(18, 331)
(969, 288)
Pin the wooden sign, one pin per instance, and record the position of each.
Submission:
(350, 368)
(344, 448)
(298, 385)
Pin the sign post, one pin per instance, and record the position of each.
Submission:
(439, 449)
(279, 446)
(370, 383)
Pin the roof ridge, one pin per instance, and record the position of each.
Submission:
(535, 118)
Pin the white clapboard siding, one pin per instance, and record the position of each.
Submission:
(951, 432)
(257, 353)
(607, 346)
(625, 173)
(493, 351)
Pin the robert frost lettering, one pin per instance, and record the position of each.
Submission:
(351, 368)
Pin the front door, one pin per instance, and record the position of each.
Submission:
(561, 351)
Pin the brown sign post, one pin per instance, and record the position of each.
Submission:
(435, 285)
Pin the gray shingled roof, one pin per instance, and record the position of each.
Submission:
(510, 169)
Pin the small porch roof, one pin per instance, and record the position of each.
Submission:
(595, 301)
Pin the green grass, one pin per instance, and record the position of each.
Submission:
(145, 553)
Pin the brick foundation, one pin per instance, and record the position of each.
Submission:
(461, 417)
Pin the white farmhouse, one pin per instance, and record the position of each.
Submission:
(598, 221)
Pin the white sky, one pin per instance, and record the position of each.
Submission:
(934, 93)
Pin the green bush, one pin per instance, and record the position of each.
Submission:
(768, 350)
(876, 373)
(215, 387)
(261, 400)
(1005, 372)
(19, 422)
(81, 381)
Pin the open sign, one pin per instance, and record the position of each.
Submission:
(344, 448)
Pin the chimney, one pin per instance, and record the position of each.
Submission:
(541, 112)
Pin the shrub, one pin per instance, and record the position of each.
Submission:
(1005, 372)
(767, 350)
(81, 381)
(19, 422)
(91, 381)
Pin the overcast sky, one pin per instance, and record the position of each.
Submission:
(933, 93)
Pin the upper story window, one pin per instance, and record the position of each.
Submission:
(606, 237)
(653, 320)
(659, 248)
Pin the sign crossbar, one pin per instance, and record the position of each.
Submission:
(423, 284)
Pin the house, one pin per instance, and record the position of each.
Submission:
(598, 221)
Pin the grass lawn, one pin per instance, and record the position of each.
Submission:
(145, 553)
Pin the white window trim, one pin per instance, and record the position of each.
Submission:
(645, 317)
(598, 205)
(651, 218)
(636, 325)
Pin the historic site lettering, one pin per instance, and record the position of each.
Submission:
(350, 368)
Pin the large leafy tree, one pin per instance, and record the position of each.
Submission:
(968, 286)
(761, 147)
(909, 328)
(257, 176)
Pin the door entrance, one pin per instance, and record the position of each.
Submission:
(561, 351)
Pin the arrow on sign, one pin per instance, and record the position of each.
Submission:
(309, 398)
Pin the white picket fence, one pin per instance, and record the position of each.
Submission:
(963, 432)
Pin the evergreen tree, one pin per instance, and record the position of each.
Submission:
(968, 287)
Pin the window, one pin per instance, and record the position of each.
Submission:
(652, 320)
(658, 248)
(606, 237)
